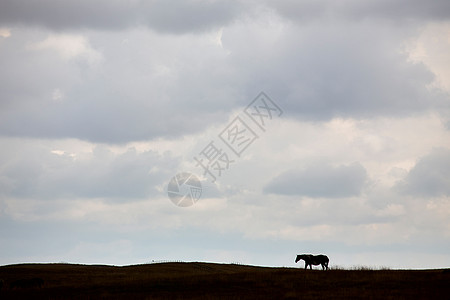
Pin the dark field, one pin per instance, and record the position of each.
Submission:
(217, 281)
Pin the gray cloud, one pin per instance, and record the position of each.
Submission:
(398, 11)
(320, 180)
(187, 15)
(147, 85)
(115, 100)
(430, 176)
(339, 69)
(40, 174)
(164, 16)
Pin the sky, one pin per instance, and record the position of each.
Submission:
(338, 113)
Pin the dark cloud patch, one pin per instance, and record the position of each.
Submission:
(164, 16)
(327, 70)
(399, 11)
(320, 180)
(183, 16)
(430, 176)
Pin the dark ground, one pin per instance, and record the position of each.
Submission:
(219, 281)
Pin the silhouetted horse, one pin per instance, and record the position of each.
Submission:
(313, 260)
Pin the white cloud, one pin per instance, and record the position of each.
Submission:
(57, 95)
(431, 48)
(5, 32)
(69, 46)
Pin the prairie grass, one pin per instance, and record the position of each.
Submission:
(360, 268)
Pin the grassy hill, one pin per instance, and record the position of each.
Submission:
(218, 281)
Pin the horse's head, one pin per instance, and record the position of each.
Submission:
(300, 256)
(305, 257)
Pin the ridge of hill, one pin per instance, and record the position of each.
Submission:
(199, 280)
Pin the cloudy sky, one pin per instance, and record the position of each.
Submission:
(102, 103)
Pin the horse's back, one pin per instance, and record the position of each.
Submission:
(322, 258)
